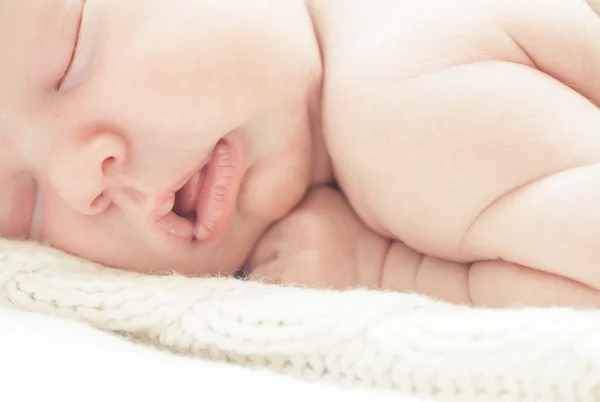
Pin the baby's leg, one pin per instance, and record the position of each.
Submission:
(522, 172)
(499, 284)
(492, 284)
(552, 224)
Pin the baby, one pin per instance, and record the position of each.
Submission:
(201, 136)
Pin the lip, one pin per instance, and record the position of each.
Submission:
(184, 230)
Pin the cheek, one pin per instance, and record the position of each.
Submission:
(94, 238)
(17, 205)
(185, 71)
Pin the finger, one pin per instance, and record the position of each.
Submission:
(269, 246)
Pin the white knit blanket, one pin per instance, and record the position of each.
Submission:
(406, 343)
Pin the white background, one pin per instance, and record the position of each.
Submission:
(44, 358)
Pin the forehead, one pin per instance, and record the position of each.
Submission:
(20, 22)
(27, 31)
(27, 24)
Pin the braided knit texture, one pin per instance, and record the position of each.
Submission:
(358, 338)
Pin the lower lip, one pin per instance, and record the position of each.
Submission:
(218, 191)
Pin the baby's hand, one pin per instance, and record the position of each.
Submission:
(319, 244)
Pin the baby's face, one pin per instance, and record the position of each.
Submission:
(154, 135)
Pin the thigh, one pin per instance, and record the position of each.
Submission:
(499, 284)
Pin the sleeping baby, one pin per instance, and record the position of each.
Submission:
(448, 148)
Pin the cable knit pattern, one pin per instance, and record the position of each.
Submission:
(359, 337)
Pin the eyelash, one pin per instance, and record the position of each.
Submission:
(60, 81)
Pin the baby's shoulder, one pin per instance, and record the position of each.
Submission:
(372, 47)
(374, 51)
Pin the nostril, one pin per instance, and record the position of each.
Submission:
(108, 163)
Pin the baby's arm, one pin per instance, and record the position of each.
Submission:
(324, 244)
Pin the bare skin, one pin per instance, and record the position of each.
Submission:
(165, 136)
(110, 110)
(324, 244)
(480, 162)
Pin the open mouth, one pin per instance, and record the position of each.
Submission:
(202, 207)
(186, 198)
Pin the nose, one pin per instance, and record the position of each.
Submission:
(82, 172)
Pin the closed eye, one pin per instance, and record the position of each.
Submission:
(65, 73)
